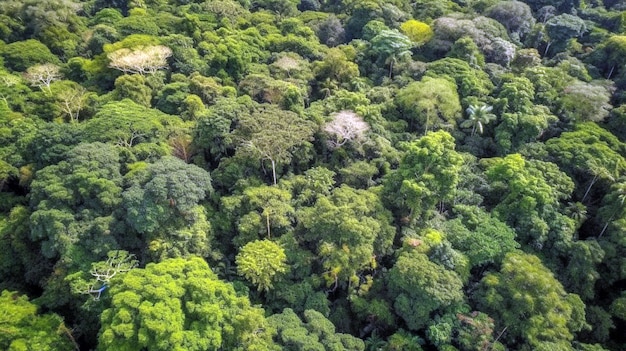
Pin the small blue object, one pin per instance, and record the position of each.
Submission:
(99, 291)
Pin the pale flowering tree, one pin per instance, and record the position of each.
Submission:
(141, 60)
(7, 81)
(72, 100)
(345, 126)
(43, 75)
(287, 64)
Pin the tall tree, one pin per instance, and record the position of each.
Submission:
(610, 55)
(162, 203)
(490, 36)
(43, 75)
(418, 32)
(336, 68)
(272, 134)
(141, 60)
(133, 87)
(261, 262)
(428, 175)
(349, 229)
(528, 195)
(345, 126)
(586, 101)
(415, 278)
(432, 102)
(591, 155)
(264, 211)
(315, 333)
(71, 98)
(517, 93)
(391, 45)
(180, 304)
(470, 81)
(477, 117)
(23, 54)
(519, 128)
(25, 329)
(73, 203)
(126, 124)
(479, 235)
(515, 16)
(526, 299)
(561, 29)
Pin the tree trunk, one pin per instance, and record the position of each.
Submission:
(547, 48)
(593, 181)
(267, 220)
(606, 225)
(496, 340)
(273, 170)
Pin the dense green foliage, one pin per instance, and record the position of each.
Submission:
(179, 304)
(24, 329)
(312, 175)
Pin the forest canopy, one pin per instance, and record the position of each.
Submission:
(312, 175)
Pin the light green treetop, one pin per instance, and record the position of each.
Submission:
(180, 304)
(432, 102)
(525, 298)
(22, 328)
(261, 262)
(428, 174)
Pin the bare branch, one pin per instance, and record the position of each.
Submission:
(142, 60)
(43, 75)
(119, 261)
(345, 126)
(72, 101)
(130, 140)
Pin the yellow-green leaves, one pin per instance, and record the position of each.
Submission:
(350, 228)
(432, 102)
(420, 287)
(261, 262)
(179, 304)
(526, 298)
(418, 32)
(529, 192)
(428, 174)
(21, 328)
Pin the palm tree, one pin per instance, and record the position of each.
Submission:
(599, 172)
(578, 212)
(477, 117)
(375, 342)
(392, 45)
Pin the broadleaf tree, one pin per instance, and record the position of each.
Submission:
(273, 134)
(261, 262)
(180, 304)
